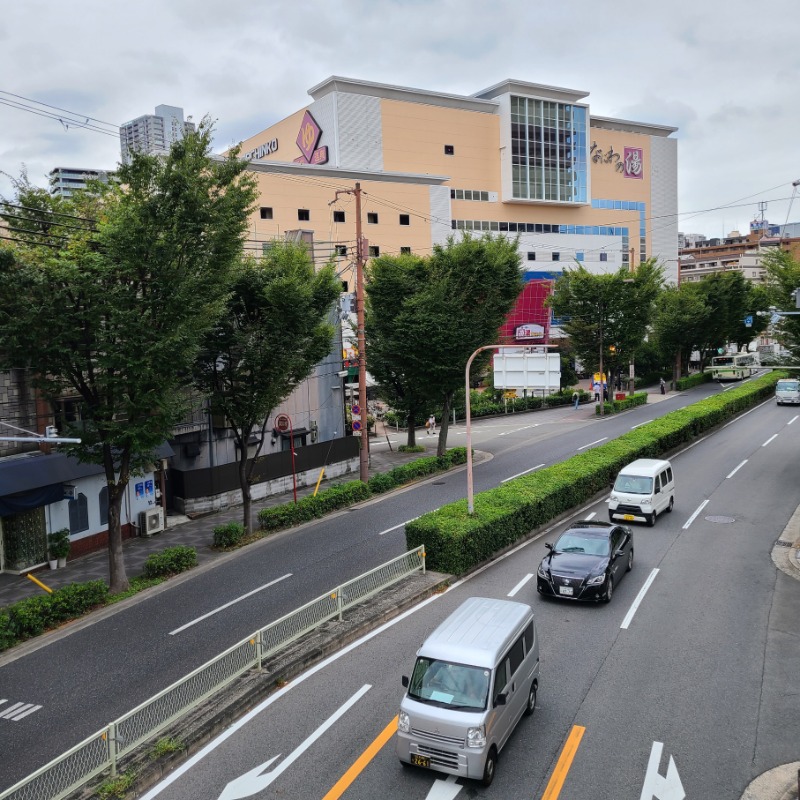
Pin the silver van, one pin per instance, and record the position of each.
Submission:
(643, 490)
(787, 390)
(474, 678)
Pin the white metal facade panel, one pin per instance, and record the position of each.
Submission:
(516, 369)
(663, 211)
(324, 112)
(440, 214)
(359, 132)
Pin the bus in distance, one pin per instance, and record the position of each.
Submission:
(734, 366)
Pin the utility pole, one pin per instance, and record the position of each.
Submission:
(363, 456)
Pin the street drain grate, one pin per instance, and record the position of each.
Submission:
(782, 543)
(721, 520)
(439, 483)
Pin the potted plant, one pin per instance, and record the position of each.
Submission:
(58, 546)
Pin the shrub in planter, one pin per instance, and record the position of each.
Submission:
(228, 535)
(308, 508)
(58, 543)
(76, 599)
(170, 561)
(693, 380)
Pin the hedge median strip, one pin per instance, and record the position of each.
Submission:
(455, 542)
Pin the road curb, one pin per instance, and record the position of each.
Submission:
(779, 783)
(786, 551)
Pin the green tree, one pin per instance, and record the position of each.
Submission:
(109, 303)
(680, 319)
(727, 294)
(783, 278)
(392, 334)
(274, 330)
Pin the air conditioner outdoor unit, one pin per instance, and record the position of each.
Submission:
(151, 521)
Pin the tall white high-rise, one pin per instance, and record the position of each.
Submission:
(153, 133)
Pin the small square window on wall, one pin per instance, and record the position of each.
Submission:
(341, 249)
(374, 251)
(303, 214)
(405, 219)
(580, 255)
(531, 256)
(338, 216)
(344, 287)
(556, 256)
(604, 256)
(266, 213)
(372, 217)
(449, 150)
(405, 251)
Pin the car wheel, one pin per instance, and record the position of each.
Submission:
(609, 590)
(630, 561)
(489, 767)
(671, 504)
(531, 706)
(651, 519)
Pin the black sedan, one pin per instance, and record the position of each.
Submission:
(586, 562)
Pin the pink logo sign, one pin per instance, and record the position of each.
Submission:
(308, 137)
(633, 163)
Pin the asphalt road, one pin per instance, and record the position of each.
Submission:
(92, 676)
(686, 697)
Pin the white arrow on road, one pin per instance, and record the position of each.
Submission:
(655, 784)
(444, 790)
(257, 779)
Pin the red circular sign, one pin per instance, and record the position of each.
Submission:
(283, 423)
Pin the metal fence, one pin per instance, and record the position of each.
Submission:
(101, 751)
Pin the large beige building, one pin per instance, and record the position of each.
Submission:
(517, 158)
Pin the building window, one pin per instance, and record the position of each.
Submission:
(556, 256)
(78, 514)
(405, 219)
(372, 217)
(341, 249)
(549, 158)
(345, 287)
(102, 501)
(374, 251)
(338, 216)
(303, 215)
(604, 256)
(531, 256)
(449, 150)
(580, 255)
(266, 213)
(405, 251)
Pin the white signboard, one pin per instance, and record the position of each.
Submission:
(529, 331)
(516, 369)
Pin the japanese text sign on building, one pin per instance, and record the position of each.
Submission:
(633, 163)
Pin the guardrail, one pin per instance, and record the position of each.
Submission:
(101, 751)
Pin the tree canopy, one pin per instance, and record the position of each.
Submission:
(108, 294)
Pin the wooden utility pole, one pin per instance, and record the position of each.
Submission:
(363, 456)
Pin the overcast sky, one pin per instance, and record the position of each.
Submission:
(725, 72)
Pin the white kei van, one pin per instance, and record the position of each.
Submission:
(787, 390)
(643, 490)
(474, 678)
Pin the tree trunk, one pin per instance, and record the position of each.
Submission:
(441, 447)
(412, 433)
(244, 483)
(117, 578)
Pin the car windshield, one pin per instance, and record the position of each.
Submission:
(449, 685)
(787, 386)
(572, 542)
(633, 484)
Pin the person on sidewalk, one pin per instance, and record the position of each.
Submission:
(663, 387)
(431, 428)
(576, 398)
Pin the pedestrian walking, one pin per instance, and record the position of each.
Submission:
(431, 424)
(576, 398)
(663, 387)
(597, 391)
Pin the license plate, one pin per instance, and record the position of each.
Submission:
(567, 590)
(628, 517)
(420, 761)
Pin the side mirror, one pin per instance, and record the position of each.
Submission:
(500, 700)
(619, 553)
(404, 681)
(548, 545)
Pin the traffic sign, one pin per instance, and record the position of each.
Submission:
(356, 409)
(283, 423)
(356, 425)
(748, 321)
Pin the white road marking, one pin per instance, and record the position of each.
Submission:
(634, 427)
(445, 789)
(655, 784)
(520, 584)
(638, 600)
(519, 474)
(17, 711)
(792, 420)
(591, 516)
(691, 519)
(395, 527)
(591, 443)
(737, 469)
(774, 436)
(232, 602)
(254, 781)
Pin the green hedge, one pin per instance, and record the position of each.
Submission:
(170, 561)
(228, 535)
(693, 380)
(455, 542)
(346, 494)
(615, 406)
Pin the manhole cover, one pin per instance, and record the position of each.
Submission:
(721, 520)
(782, 543)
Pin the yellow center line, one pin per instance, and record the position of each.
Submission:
(343, 784)
(564, 763)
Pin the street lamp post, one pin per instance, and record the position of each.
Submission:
(470, 489)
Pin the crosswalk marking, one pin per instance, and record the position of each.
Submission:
(17, 711)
